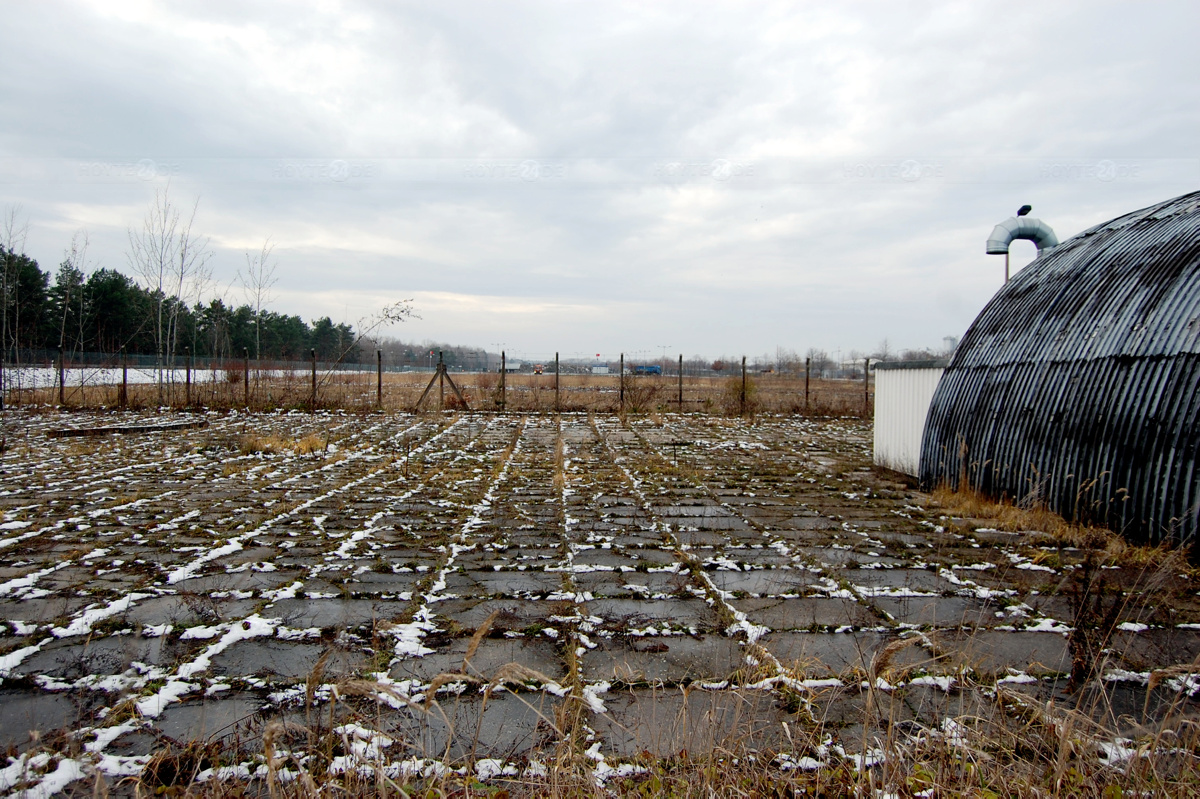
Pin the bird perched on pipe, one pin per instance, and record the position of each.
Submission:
(1024, 209)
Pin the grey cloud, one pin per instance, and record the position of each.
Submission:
(882, 140)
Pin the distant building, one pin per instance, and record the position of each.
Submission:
(600, 369)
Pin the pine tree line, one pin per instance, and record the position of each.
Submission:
(107, 311)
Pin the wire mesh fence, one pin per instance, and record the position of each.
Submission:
(97, 381)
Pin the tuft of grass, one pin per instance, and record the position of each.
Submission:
(251, 443)
(1012, 517)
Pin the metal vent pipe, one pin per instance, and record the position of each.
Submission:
(1020, 227)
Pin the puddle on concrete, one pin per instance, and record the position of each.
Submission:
(757, 556)
(376, 582)
(897, 579)
(629, 584)
(940, 611)
(503, 583)
(793, 528)
(188, 609)
(764, 582)
(535, 652)
(508, 728)
(468, 613)
(42, 610)
(209, 718)
(860, 722)
(248, 580)
(77, 657)
(342, 614)
(288, 660)
(825, 654)
(663, 659)
(806, 612)
(637, 613)
(1155, 649)
(604, 557)
(25, 711)
(989, 652)
(1135, 711)
(838, 558)
(671, 721)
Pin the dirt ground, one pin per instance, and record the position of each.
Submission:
(440, 590)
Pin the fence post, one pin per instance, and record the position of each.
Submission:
(379, 378)
(503, 381)
(681, 382)
(621, 372)
(807, 369)
(246, 375)
(312, 405)
(866, 386)
(557, 407)
(123, 397)
(742, 402)
(2, 392)
(62, 387)
(441, 372)
(187, 395)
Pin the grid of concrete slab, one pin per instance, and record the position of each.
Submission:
(445, 588)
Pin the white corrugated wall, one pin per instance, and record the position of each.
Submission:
(902, 398)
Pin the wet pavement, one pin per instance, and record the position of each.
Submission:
(459, 584)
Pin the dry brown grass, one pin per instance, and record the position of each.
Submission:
(251, 443)
(1054, 529)
(356, 391)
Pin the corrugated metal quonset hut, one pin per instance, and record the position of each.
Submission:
(1079, 383)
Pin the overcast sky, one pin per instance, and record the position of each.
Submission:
(596, 178)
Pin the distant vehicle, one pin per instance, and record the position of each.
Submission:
(538, 368)
(647, 369)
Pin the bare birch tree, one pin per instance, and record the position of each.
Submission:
(72, 275)
(13, 231)
(257, 281)
(190, 275)
(167, 256)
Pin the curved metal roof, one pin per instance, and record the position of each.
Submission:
(1079, 383)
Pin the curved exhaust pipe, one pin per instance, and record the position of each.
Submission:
(1021, 227)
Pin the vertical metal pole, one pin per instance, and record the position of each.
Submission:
(1006, 266)
(312, 405)
(441, 370)
(743, 397)
(123, 399)
(866, 386)
(621, 370)
(187, 395)
(379, 378)
(557, 407)
(807, 371)
(246, 375)
(681, 382)
(62, 388)
(2, 392)
(503, 380)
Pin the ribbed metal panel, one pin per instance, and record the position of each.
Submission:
(902, 395)
(1079, 383)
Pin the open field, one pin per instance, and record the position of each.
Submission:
(561, 604)
(226, 388)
